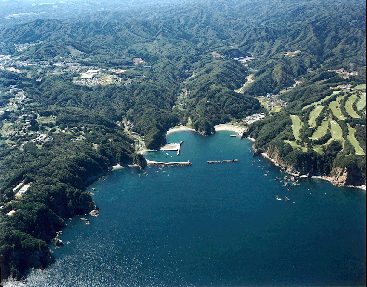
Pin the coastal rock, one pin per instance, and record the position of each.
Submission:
(94, 212)
(274, 156)
(58, 242)
(339, 176)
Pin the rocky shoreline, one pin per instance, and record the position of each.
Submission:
(338, 177)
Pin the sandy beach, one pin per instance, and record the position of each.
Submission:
(179, 129)
(230, 127)
(117, 167)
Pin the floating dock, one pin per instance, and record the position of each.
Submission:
(222, 161)
(173, 147)
(171, 163)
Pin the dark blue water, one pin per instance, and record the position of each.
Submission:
(213, 225)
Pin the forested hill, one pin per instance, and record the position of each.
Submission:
(75, 87)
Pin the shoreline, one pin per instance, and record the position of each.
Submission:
(281, 167)
(180, 129)
(331, 180)
(325, 178)
(238, 129)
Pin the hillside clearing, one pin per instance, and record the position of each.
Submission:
(295, 145)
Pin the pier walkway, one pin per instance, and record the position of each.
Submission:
(173, 147)
(171, 163)
(222, 161)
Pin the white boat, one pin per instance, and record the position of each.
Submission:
(277, 197)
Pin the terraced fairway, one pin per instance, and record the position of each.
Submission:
(361, 104)
(335, 108)
(336, 131)
(321, 130)
(349, 106)
(319, 103)
(296, 126)
(314, 115)
(353, 140)
(331, 111)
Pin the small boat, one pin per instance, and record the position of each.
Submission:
(277, 197)
(233, 136)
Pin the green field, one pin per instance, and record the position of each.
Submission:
(315, 113)
(6, 129)
(46, 120)
(276, 109)
(265, 103)
(361, 87)
(353, 140)
(361, 104)
(296, 145)
(321, 130)
(335, 108)
(319, 149)
(296, 126)
(349, 106)
(336, 131)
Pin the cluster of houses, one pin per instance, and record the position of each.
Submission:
(292, 54)
(16, 99)
(272, 102)
(87, 75)
(344, 73)
(23, 47)
(18, 123)
(101, 77)
(7, 63)
(254, 118)
(345, 87)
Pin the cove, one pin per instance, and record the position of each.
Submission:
(212, 225)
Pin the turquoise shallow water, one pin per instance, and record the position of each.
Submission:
(213, 225)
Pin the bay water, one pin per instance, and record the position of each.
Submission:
(233, 224)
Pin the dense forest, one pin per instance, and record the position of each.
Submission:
(85, 76)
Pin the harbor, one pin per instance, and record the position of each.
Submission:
(173, 147)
